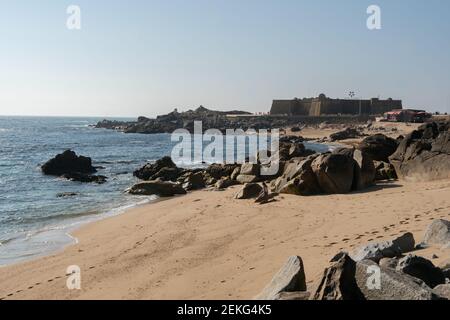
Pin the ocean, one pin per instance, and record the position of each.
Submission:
(34, 221)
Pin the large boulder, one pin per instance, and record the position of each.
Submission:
(249, 191)
(393, 285)
(384, 171)
(347, 133)
(438, 232)
(364, 168)
(150, 170)
(379, 147)
(421, 268)
(219, 171)
(194, 181)
(375, 251)
(250, 169)
(334, 172)
(290, 278)
(68, 162)
(245, 178)
(159, 188)
(338, 282)
(424, 154)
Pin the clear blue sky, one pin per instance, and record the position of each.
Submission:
(147, 57)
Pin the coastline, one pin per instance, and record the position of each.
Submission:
(207, 245)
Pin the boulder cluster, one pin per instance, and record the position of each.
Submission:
(300, 172)
(385, 270)
(70, 166)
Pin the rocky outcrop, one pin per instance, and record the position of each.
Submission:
(424, 154)
(70, 166)
(348, 133)
(421, 268)
(393, 285)
(163, 168)
(438, 232)
(379, 147)
(334, 172)
(249, 191)
(66, 163)
(386, 249)
(289, 279)
(159, 188)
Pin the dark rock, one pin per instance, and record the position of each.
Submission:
(84, 178)
(66, 194)
(348, 133)
(290, 278)
(249, 191)
(364, 169)
(338, 282)
(384, 171)
(385, 249)
(296, 129)
(421, 268)
(393, 285)
(334, 172)
(194, 181)
(159, 188)
(151, 170)
(219, 171)
(424, 154)
(379, 147)
(68, 162)
(438, 232)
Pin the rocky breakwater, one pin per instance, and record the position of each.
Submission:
(387, 270)
(70, 166)
(424, 154)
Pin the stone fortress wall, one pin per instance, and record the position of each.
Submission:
(323, 105)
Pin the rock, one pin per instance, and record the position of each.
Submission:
(235, 173)
(84, 178)
(167, 174)
(194, 181)
(250, 169)
(338, 282)
(384, 171)
(290, 278)
(296, 150)
(219, 171)
(424, 154)
(159, 188)
(334, 172)
(348, 133)
(438, 232)
(338, 256)
(379, 147)
(443, 291)
(249, 191)
(225, 183)
(296, 129)
(66, 194)
(68, 162)
(242, 178)
(291, 296)
(265, 196)
(386, 249)
(421, 268)
(389, 262)
(364, 175)
(393, 285)
(298, 179)
(150, 170)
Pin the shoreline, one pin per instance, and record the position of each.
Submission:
(206, 245)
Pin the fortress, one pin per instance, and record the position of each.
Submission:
(323, 105)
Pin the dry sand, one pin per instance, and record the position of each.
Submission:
(207, 245)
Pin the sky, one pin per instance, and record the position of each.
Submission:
(147, 57)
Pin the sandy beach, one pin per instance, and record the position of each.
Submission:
(207, 245)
